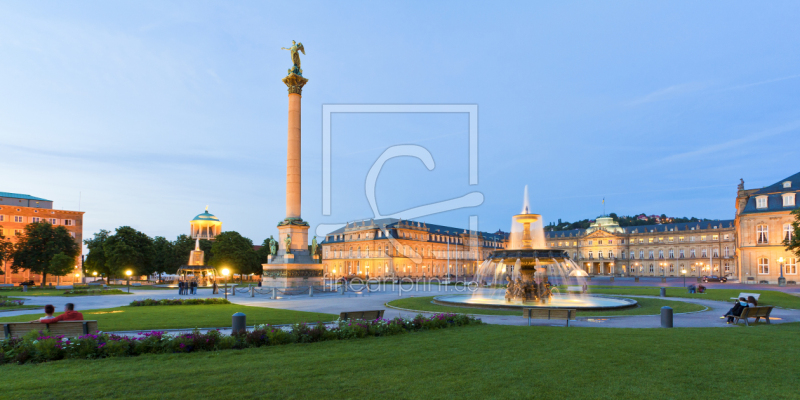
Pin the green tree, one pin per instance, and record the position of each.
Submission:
(6, 250)
(61, 264)
(130, 249)
(793, 244)
(234, 251)
(96, 259)
(164, 260)
(41, 242)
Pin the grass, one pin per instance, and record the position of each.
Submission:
(768, 297)
(54, 293)
(176, 317)
(646, 307)
(487, 361)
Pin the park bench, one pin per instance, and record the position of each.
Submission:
(65, 328)
(571, 289)
(567, 314)
(365, 315)
(753, 312)
(755, 295)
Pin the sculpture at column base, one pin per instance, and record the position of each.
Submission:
(293, 221)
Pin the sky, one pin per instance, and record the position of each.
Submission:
(141, 113)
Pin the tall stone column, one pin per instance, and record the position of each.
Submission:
(293, 265)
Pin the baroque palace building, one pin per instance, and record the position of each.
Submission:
(605, 248)
(392, 247)
(763, 223)
(19, 210)
(751, 247)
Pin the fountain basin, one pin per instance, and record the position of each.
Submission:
(497, 301)
(528, 256)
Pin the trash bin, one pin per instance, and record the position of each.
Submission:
(239, 323)
(663, 292)
(666, 317)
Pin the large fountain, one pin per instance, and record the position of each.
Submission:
(519, 276)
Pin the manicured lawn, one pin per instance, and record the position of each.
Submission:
(768, 297)
(646, 307)
(200, 316)
(487, 361)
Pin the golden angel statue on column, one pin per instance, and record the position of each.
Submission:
(295, 57)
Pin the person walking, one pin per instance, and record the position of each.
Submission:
(194, 287)
(215, 288)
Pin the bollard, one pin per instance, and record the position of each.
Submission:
(663, 292)
(233, 290)
(24, 288)
(666, 317)
(274, 293)
(636, 279)
(239, 323)
(252, 291)
(311, 291)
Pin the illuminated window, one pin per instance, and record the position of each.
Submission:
(762, 234)
(702, 238)
(680, 239)
(649, 240)
(763, 266)
(671, 239)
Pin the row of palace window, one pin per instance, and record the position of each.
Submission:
(406, 252)
(23, 219)
(788, 200)
(671, 268)
(669, 239)
(790, 267)
(651, 254)
(356, 268)
(19, 232)
(762, 233)
(415, 236)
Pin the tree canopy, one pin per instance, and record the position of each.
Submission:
(234, 251)
(130, 249)
(96, 259)
(39, 244)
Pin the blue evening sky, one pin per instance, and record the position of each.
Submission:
(149, 111)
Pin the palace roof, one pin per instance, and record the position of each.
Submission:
(774, 195)
(21, 196)
(673, 227)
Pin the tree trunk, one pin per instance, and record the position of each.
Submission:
(44, 279)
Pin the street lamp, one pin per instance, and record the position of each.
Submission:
(781, 280)
(683, 271)
(226, 272)
(129, 273)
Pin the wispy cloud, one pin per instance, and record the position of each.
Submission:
(669, 92)
(789, 127)
(747, 85)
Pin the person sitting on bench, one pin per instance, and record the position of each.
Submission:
(48, 313)
(736, 310)
(69, 315)
(751, 301)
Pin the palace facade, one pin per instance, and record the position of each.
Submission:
(19, 210)
(693, 248)
(394, 247)
(749, 247)
(763, 223)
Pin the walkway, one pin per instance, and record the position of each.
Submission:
(336, 303)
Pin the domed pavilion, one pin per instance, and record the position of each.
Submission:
(205, 226)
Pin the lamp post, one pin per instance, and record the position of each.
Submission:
(128, 273)
(226, 272)
(781, 280)
(683, 271)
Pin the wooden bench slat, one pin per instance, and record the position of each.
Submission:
(65, 328)
(567, 314)
(365, 315)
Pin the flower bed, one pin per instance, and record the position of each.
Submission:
(40, 346)
(11, 303)
(177, 302)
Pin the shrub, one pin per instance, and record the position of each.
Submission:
(40, 346)
(177, 302)
(11, 303)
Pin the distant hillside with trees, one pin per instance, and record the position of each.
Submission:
(625, 220)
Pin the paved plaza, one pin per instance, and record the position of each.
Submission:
(334, 303)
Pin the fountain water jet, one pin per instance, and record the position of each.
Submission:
(527, 265)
